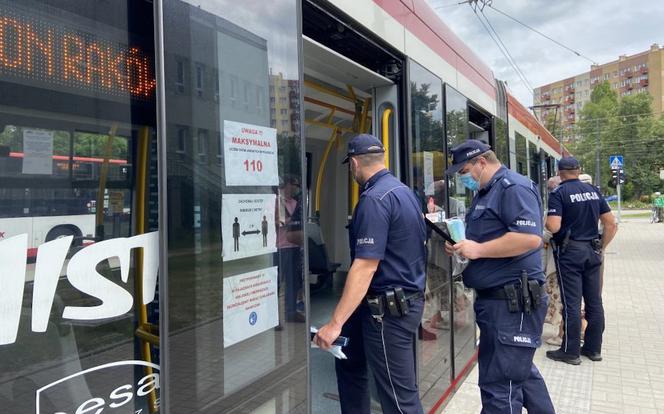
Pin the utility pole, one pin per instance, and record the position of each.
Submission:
(619, 197)
(598, 178)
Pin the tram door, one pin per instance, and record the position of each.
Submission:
(341, 99)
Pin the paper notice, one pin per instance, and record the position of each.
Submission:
(37, 152)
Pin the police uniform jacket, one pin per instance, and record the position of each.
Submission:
(579, 205)
(510, 202)
(387, 225)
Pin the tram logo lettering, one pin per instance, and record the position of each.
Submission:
(81, 274)
(109, 395)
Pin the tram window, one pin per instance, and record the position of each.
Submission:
(521, 154)
(456, 122)
(430, 187)
(535, 164)
(502, 141)
(457, 118)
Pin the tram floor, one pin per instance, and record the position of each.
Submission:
(325, 396)
(323, 380)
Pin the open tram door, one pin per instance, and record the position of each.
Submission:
(347, 90)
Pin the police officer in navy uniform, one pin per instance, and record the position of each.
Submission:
(574, 210)
(382, 302)
(503, 243)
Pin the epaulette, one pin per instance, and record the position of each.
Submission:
(506, 182)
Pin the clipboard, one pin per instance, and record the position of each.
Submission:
(439, 231)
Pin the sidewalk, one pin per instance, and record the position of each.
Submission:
(630, 379)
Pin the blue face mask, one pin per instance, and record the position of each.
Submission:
(469, 182)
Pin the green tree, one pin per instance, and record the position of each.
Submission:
(626, 127)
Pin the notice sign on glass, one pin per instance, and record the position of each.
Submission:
(250, 304)
(37, 152)
(247, 225)
(250, 155)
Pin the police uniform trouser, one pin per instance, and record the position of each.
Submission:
(579, 276)
(387, 348)
(508, 379)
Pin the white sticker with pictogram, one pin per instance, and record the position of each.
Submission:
(250, 304)
(250, 155)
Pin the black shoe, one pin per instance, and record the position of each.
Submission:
(560, 355)
(593, 356)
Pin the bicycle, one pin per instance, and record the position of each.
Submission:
(654, 214)
(657, 209)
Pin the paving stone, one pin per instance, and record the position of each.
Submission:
(630, 379)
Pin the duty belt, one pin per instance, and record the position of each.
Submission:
(596, 243)
(524, 296)
(395, 301)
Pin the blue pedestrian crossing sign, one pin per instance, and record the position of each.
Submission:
(616, 161)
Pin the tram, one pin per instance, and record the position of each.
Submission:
(395, 70)
(173, 207)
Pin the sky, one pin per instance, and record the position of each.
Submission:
(599, 29)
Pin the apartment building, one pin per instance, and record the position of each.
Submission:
(628, 75)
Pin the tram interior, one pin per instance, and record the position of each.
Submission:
(339, 102)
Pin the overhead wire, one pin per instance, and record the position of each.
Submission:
(506, 49)
(498, 44)
(540, 33)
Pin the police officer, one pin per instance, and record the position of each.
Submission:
(574, 210)
(382, 302)
(503, 243)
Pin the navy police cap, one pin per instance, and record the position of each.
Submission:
(465, 152)
(568, 163)
(363, 144)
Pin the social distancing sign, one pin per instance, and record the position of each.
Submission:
(247, 225)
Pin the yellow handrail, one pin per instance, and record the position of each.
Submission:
(365, 116)
(321, 88)
(321, 169)
(354, 193)
(385, 134)
(327, 125)
(103, 176)
(141, 185)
